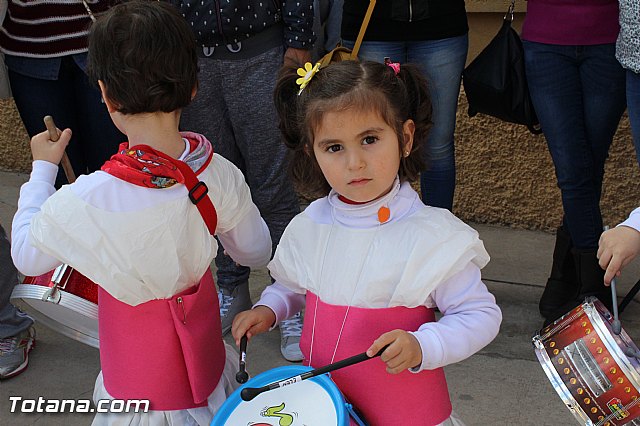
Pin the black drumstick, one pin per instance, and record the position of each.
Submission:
(242, 376)
(616, 326)
(247, 394)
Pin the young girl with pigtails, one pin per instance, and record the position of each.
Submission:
(372, 261)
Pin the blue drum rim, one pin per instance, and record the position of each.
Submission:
(281, 373)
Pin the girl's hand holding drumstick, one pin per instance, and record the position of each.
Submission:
(252, 322)
(400, 350)
(50, 145)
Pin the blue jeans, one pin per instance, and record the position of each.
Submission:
(579, 95)
(633, 108)
(65, 93)
(12, 321)
(442, 62)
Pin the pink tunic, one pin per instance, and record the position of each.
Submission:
(169, 351)
(421, 398)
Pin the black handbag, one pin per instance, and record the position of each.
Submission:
(495, 81)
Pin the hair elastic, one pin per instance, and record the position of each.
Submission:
(395, 66)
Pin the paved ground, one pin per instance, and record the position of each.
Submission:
(501, 385)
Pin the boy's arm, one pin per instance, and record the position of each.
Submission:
(28, 259)
(248, 243)
(241, 231)
(471, 320)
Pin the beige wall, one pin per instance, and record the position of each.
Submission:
(505, 174)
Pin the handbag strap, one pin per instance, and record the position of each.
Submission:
(509, 15)
(363, 29)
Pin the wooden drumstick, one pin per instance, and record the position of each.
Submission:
(247, 394)
(54, 136)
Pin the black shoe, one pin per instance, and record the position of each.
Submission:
(591, 283)
(562, 285)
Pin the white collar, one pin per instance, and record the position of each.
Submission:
(400, 201)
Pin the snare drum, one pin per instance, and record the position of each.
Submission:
(64, 300)
(312, 402)
(586, 364)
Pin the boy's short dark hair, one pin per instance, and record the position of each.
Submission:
(145, 54)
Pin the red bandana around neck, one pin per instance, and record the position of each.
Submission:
(145, 166)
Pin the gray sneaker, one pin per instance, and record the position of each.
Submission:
(14, 352)
(232, 303)
(290, 332)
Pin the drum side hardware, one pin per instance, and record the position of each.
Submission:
(52, 295)
(556, 381)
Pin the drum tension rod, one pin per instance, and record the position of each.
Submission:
(53, 295)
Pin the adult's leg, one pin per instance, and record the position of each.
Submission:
(577, 147)
(35, 98)
(97, 138)
(12, 321)
(442, 61)
(633, 108)
(17, 336)
(208, 114)
(248, 89)
(83, 113)
(558, 93)
(546, 66)
(603, 83)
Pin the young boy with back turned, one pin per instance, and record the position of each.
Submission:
(136, 230)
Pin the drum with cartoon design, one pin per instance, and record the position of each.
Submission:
(313, 402)
(588, 366)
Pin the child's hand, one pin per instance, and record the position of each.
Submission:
(403, 351)
(617, 247)
(43, 148)
(252, 322)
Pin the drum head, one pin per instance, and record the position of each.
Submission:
(73, 316)
(314, 401)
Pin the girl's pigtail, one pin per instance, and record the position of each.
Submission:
(420, 110)
(285, 97)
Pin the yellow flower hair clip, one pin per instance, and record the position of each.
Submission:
(306, 74)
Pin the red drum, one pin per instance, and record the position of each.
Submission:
(64, 300)
(587, 365)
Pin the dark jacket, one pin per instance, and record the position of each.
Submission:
(227, 22)
(405, 20)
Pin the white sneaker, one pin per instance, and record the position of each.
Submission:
(290, 332)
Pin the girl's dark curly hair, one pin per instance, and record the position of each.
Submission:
(367, 86)
(145, 54)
